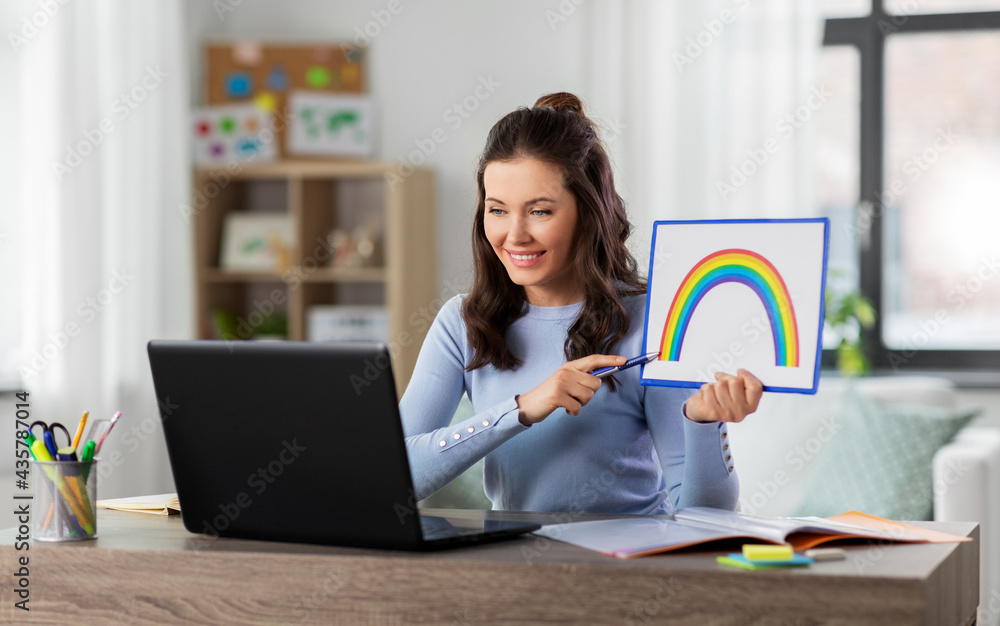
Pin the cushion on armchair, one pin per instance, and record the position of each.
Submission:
(880, 461)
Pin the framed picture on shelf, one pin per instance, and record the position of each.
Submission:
(330, 125)
(256, 242)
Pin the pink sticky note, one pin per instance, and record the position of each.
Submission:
(321, 54)
(247, 52)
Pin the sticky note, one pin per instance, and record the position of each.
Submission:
(742, 563)
(755, 552)
(277, 79)
(738, 560)
(317, 76)
(352, 54)
(266, 101)
(238, 85)
(247, 52)
(349, 73)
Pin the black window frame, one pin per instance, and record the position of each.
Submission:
(868, 34)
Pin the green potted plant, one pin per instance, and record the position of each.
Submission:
(847, 314)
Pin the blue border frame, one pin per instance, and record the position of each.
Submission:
(655, 382)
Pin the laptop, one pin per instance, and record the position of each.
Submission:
(296, 441)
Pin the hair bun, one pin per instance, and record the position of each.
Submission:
(561, 101)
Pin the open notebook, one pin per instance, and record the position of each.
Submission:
(639, 536)
(159, 504)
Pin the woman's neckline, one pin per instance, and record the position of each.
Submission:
(568, 311)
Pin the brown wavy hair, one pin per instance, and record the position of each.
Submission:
(555, 130)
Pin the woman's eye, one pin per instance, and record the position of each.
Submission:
(541, 212)
(495, 211)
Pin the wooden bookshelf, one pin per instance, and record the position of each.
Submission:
(320, 196)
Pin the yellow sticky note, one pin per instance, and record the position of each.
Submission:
(767, 553)
(266, 101)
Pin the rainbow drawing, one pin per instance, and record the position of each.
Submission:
(734, 266)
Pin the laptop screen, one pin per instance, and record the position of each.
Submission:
(277, 440)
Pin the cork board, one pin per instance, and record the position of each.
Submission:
(264, 73)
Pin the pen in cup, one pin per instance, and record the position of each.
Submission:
(88, 451)
(100, 442)
(73, 499)
(79, 430)
(50, 443)
(99, 429)
(66, 487)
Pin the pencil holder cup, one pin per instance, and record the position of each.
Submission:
(65, 500)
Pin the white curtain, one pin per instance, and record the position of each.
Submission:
(689, 90)
(104, 252)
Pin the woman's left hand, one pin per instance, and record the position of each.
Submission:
(729, 399)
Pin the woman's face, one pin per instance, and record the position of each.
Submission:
(530, 220)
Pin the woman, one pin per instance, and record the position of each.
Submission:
(556, 295)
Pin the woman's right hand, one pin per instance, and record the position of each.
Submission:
(570, 387)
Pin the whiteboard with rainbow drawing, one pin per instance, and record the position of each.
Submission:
(729, 294)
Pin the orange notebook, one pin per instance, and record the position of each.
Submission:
(639, 536)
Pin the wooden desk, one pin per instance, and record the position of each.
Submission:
(150, 570)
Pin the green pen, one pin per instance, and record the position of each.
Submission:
(88, 451)
(30, 439)
(87, 455)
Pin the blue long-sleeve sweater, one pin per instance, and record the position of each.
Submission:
(627, 452)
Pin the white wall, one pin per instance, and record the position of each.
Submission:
(427, 58)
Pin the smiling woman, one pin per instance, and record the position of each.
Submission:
(550, 151)
(556, 296)
(534, 236)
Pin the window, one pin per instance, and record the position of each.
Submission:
(913, 7)
(837, 169)
(926, 221)
(942, 230)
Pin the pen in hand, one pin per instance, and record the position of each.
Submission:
(639, 360)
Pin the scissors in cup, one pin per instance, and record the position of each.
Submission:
(48, 436)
